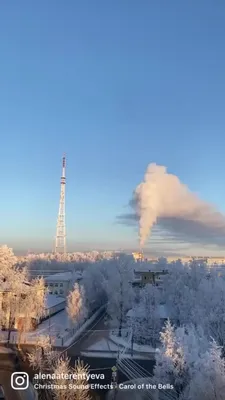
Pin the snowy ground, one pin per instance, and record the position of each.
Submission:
(57, 327)
(53, 326)
(84, 327)
(105, 354)
(136, 347)
(111, 346)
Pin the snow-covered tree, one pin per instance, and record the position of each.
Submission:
(76, 307)
(42, 356)
(196, 296)
(169, 366)
(208, 381)
(32, 304)
(93, 282)
(61, 369)
(20, 299)
(118, 277)
(7, 262)
(145, 321)
(181, 356)
(80, 371)
(150, 301)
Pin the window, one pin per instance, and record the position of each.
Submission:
(61, 284)
(56, 285)
(56, 292)
(50, 292)
(51, 284)
(61, 291)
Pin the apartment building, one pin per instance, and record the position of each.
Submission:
(60, 284)
(141, 278)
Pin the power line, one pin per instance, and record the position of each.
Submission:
(135, 371)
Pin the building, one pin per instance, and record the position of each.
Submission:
(54, 304)
(138, 256)
(141, 278)
(60, 284)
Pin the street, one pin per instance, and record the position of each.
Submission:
(98, 330)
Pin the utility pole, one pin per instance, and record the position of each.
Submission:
(132, 340)
(49, 326)
(114, 380)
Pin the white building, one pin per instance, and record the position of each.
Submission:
(60, 284)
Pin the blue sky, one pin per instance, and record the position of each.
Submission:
(116, 85)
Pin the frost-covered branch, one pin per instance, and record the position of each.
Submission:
(76, 307)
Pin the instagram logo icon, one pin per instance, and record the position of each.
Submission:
(19, 380)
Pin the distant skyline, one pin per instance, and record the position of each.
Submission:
(115, 86)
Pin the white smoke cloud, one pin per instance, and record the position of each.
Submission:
(162, 199)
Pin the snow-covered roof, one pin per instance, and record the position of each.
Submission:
(140, 312)
(156, 270)
(52, 300)
(62, 276)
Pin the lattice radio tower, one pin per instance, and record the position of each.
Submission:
(60, 241)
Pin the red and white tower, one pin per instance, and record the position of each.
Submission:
(60, 241)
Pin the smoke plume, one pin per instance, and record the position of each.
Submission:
(162, 198)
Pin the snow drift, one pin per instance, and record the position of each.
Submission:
(161, 198)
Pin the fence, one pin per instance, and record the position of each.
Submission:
(75, 333)
(24, 339)
(57, 340)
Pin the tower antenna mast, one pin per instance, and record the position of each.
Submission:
(60, 241)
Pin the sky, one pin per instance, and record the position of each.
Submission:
(116, 85)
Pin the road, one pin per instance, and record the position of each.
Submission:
(98, 364)
(97, 330)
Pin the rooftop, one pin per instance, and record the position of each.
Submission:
(63, 276)
(52, 300)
